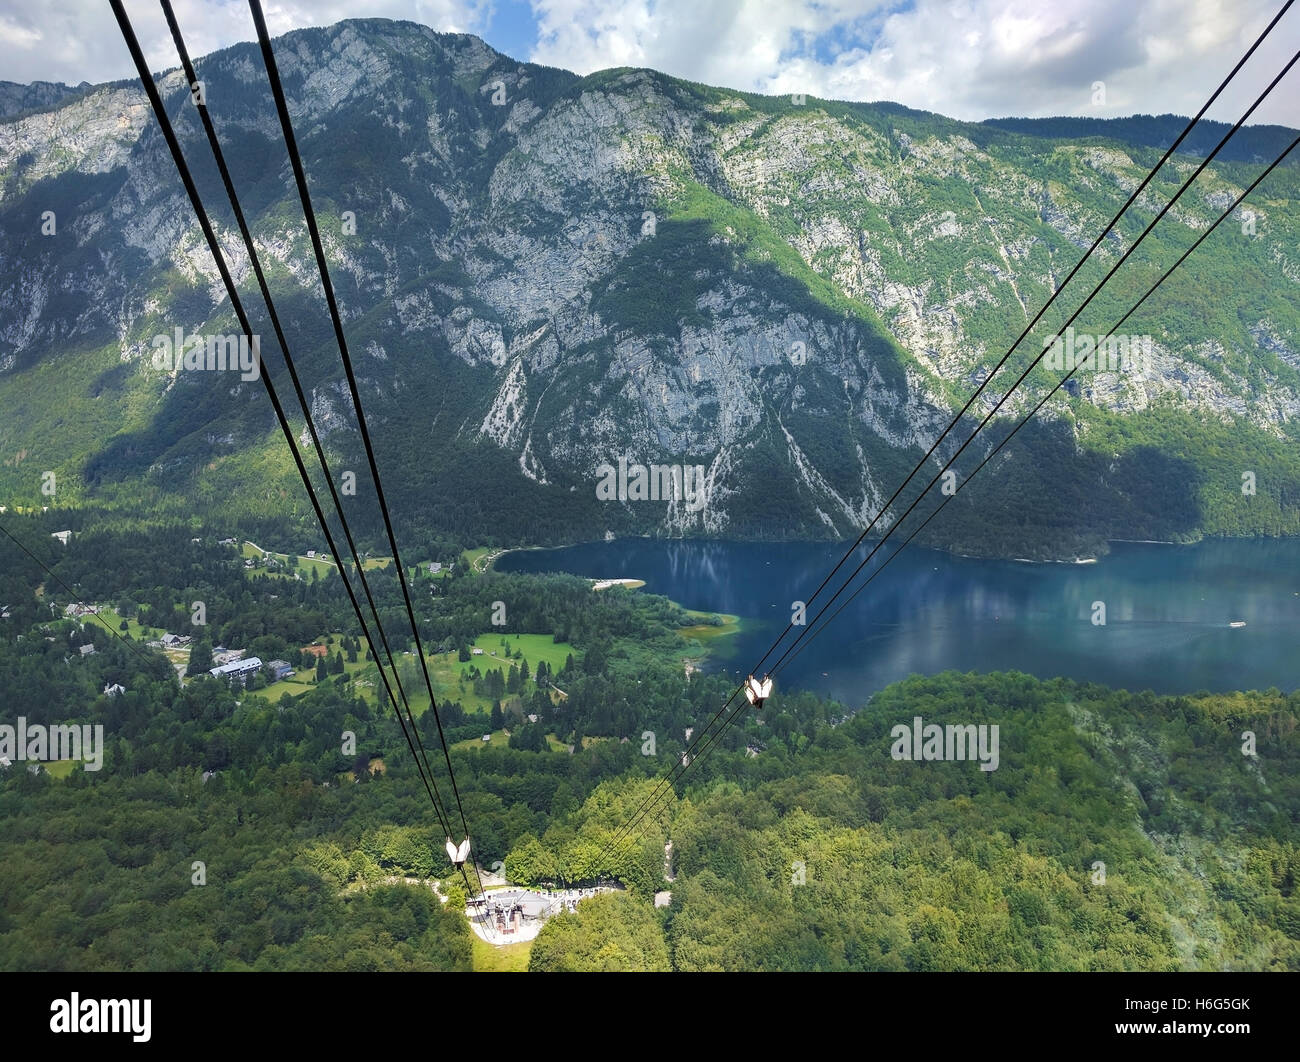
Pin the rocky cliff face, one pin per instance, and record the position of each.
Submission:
(542, 273)
(19, 100)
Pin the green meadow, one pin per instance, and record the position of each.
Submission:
(304, 565)
(509, 958)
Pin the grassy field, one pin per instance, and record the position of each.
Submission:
(509, 958)
(306, 679)
(444, 670)
(535, 647)
(501, 739)
(306, 564)
(480, 558)
(704, 631)
(447, 671)
(110, 620)
(60, 768)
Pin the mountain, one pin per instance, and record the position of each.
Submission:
(1253, 143)
(543, 274)
(17, 101)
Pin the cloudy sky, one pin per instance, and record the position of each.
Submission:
(970, 59)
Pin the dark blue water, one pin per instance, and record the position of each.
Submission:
(1167, 611)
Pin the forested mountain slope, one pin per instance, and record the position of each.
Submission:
(542, 273)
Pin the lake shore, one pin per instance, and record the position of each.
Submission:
(498, 554)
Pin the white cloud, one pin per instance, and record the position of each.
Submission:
(80, 40)
(16, 36)
(969, 59)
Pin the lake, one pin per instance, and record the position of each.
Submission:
(1167, 611)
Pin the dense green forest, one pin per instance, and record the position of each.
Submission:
(1119, 831)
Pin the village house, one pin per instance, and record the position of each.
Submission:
(237, 672)
(279, 669)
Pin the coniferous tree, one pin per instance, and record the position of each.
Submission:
(200, 658)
